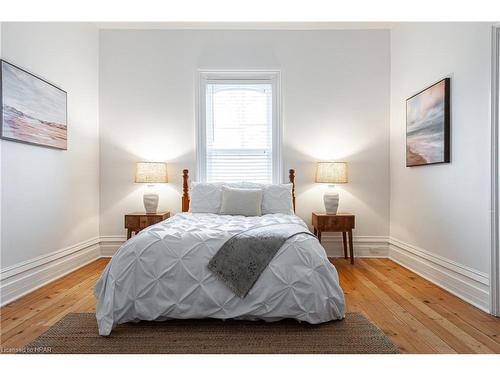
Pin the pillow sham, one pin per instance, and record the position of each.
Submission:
(245, 202)
(277, 199)
(205, 197)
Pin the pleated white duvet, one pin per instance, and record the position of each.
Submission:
(162, 274)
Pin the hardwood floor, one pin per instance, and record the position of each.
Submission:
(418, 316)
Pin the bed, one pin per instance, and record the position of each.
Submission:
(162, 273)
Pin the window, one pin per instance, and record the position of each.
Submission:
(238, 127)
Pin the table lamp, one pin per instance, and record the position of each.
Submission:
(331, 173)
(151, 173)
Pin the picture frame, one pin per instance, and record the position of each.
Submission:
(34, 110)
(428, 125)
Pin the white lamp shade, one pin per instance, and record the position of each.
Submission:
(332, 172)
(151, 172)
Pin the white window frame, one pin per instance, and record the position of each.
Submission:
(244, 76)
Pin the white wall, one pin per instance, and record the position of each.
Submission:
(335, 90)
(50, 198)
(444, 209)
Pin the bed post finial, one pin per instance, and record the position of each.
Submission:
(292, 181)
(185, 190)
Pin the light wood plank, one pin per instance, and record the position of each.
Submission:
(444, 328)
(398, 331)
(418, 329)
(439, 298)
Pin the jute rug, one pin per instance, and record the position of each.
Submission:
(77, 333)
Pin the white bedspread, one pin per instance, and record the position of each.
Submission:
(162, 273)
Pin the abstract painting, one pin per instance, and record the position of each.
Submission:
(428, 125)
(33, 110)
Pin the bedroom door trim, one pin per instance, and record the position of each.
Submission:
(495, 176)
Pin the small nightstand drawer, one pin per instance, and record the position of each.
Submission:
(132, 221)
(333, 222)
(136, 222)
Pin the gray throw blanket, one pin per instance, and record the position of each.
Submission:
(242, 259)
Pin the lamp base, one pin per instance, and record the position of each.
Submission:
(331, 201)
(150, 200)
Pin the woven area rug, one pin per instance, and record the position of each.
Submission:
(77, 333)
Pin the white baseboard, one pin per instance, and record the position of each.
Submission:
(466, 283)
(364, 246)
(110, 244)
(25, 277)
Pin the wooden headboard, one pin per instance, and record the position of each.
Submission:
(185, 189)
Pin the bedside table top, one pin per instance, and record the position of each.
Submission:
(159, 213)
(343, 214)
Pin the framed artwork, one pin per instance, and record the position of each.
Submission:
(428, 125)
(34, 111)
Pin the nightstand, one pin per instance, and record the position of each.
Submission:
(335, 223)
(137, 221)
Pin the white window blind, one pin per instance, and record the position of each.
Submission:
(239, 131)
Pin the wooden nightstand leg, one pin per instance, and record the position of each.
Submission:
(319, 235)
(350, 245)
(129, 234)
(315, 231)
(344, 241)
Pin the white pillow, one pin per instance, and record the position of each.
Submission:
(246, 202)
(277, 199)
(205, 197)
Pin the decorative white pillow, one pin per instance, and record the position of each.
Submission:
(205, 197)
(277, 199)
(246, 202)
